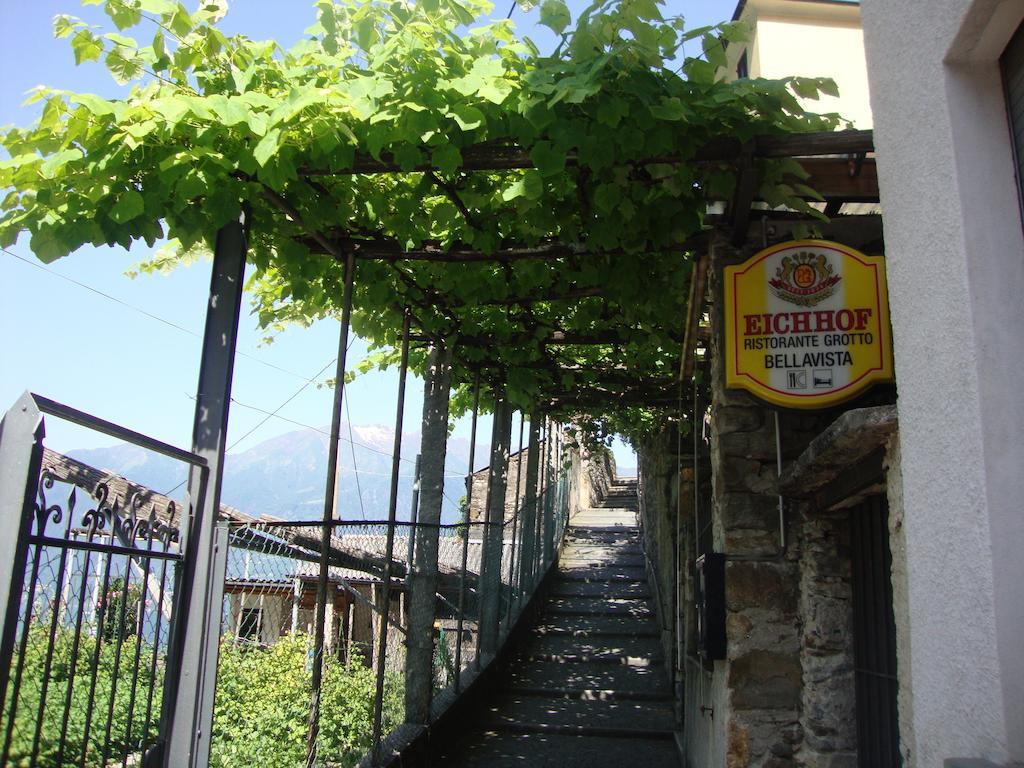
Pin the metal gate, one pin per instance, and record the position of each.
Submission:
(874, 636)
(90, 572)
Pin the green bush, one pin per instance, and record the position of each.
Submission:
(261, 712)
(262, 707)
(82, 664)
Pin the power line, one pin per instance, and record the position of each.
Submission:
(325, 432)
(140, 310)
(352, 445)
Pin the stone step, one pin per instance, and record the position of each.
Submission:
(570, 559)
(577, 606)
(579, 548)
(603, 531)
(623, 681)
(504, 749)
(617, 573)
(627, 651)
(514, 711)
(599, 590)
(579, 625)
(602, 536)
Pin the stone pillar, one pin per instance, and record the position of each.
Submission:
(528, 565)
(423, 574)
(494, 532)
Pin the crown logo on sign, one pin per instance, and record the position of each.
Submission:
(804, 279)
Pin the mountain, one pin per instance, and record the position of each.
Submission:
(285, 475)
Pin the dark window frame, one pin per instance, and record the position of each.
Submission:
(1011, 67)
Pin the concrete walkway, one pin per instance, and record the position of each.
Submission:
(588, 686)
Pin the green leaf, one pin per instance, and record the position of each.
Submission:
(158, 7)
(230, 111)
(124, 64)
(611, 111)
(86, 46)
(548, 160)
(670, 108)
(554, 14)
(171, 108)
(828, 86)
(56, 162)
(530, 186)
(64, 25)
(447, 158)
(467, 117)
(267, 146)
(124, 13)
(129, 205)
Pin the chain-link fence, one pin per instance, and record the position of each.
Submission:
(265, 689)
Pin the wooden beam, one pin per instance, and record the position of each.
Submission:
(743, 196)
(843, 178)
(499, 157)
(694, 310)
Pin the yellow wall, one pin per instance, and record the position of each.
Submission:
(810, 40)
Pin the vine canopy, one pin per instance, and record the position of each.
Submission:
(564, 187)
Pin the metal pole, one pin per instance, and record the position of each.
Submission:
(529, 526)
(465, 534)
(538, 563)
(21, 456)
(328, 515)
(549, 527)
(413, 514)
(396, 458)
(189, 692)
(515, 523)
(423, 581)
(494, 530)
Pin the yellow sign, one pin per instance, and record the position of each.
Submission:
(807, 324)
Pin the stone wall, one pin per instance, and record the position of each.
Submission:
(478, 501)
(659, 508)
(828, 698)
(590, 475)
(761, 679)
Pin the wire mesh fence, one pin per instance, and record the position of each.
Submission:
(92, 642)
(265, 690)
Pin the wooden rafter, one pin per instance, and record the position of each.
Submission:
(503, 157)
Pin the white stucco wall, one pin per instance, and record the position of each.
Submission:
(955, 256)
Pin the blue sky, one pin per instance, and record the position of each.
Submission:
(131, 355)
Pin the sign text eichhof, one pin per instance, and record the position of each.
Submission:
(807, 324)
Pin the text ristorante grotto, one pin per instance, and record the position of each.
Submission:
(808, 330)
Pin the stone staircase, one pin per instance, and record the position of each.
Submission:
(587, 686)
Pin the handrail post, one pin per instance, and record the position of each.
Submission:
(529, 524)
(396, 458)
(465, 536)
(188, 700)
(319, 628)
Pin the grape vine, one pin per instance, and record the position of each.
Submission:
(611, 121)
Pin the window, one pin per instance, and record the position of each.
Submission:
(742, 69)
(249, 624)
(1013, 79)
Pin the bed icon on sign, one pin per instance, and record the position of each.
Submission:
(822, 378)
(797, 379)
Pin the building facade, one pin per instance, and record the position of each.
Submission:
(871, 607)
